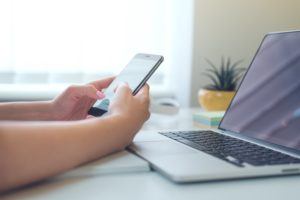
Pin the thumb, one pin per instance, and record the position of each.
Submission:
(86, 90)
(123, 90)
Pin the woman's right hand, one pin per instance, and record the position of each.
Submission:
(133, 109)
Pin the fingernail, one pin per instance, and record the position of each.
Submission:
(100, 95)
(123, 83)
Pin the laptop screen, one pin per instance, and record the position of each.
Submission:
(267, 103)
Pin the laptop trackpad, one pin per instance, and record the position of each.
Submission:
(161, 148)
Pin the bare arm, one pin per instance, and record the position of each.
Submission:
(72, 104)
(34, 150)
(41, 110)
(31, 151)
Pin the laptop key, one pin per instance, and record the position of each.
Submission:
(230, 149)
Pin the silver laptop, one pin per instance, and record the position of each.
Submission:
(259, 134)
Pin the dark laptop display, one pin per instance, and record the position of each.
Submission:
(267, 104)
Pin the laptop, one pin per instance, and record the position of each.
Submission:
(259, 134)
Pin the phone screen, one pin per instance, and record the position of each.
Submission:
(136, 73)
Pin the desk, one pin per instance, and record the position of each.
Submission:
(151, 185)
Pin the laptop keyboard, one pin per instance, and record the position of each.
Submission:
(230, 149)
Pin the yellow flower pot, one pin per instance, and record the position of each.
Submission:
(213, 100)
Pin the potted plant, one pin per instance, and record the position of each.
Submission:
(218, 95)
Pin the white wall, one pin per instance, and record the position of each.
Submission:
(235, 28)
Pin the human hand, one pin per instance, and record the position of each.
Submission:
(133, 109)
(75, 102)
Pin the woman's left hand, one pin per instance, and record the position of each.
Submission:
(75, 102)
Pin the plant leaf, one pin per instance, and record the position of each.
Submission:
(212, 87)
(225, 77)
(235, 64)
(211, 64)
(214, 80)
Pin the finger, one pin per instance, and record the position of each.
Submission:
(123, 90)
(90, 117)
(144, 92)
(115, 89)
(143, 95)
(88, 90)
(103, 83)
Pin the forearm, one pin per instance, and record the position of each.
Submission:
(41, 110)
(34, 151)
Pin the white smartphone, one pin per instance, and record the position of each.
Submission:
(136, 74)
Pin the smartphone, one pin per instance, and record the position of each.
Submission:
(136, 74)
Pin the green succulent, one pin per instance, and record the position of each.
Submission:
(227, 77)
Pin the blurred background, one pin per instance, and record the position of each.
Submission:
(45, 45)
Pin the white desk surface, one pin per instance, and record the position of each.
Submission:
(151, 185)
